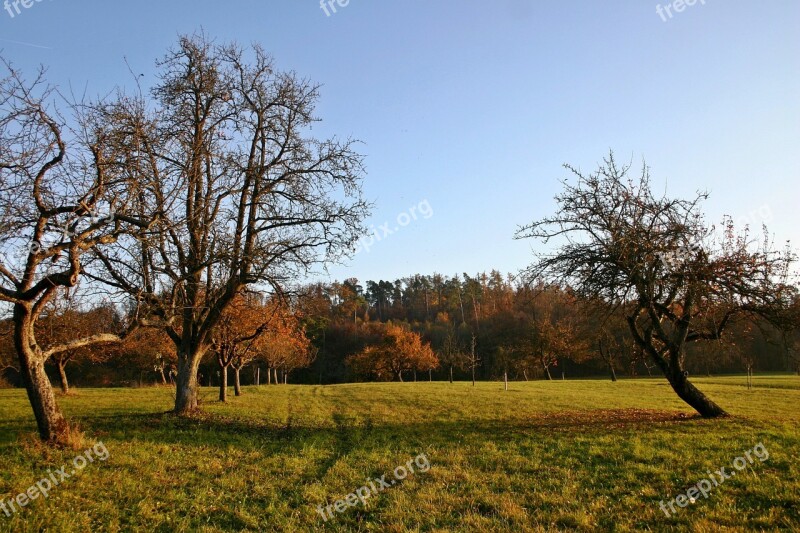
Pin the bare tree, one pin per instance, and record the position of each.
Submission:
(656, 256)
(246, 196)
(60, 197)
(473, 359)
(451, 353)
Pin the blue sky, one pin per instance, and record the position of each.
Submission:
(474, 106)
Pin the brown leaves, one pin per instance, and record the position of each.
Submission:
(398, 351)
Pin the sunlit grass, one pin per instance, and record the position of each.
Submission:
(571, 455)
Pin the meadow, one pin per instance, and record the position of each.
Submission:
(543, 456)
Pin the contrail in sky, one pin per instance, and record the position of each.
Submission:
(26, 44)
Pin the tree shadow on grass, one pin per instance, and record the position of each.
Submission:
(213, 429)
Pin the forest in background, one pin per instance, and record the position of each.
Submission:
(491, 324)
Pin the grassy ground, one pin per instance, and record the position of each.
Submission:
(574, 455)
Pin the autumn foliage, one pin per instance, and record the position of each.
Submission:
(398, 350)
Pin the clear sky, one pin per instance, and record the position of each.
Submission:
(472, 107)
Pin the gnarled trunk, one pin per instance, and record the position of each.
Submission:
(186, 389)
(678, 378)
(692, 395)
(50, 420)
(613, 372)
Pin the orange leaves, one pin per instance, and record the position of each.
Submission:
(398, 351)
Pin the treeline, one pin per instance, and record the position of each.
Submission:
(498, 326)
(487, 326)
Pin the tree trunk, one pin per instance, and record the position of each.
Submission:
(415, 376)
(679, 380)
(223, 383)
(613, 372)
(237, 384)
(258, 376)
(692, 395)
(400, 376)
(50, 420)
(525, 373)
(430, 376)
(187, 385)
(547, 372)
(62, 375)
(163, 377)
(451, 374)
(505, 379)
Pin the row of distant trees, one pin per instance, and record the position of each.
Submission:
(337, 332)
(517, 328)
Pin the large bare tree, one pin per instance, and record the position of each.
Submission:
(60, 197)
(245, 194)
(678, 280)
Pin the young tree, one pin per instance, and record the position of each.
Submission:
(451, 351)
(240, 334)
(554, 339)
(284, 345)
(654, 254)
(608, 347)
(60, 196)
(399, 351)
(151, 348)
(246, 196)
(473, 359)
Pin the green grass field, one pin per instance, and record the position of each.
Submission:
(543, 456)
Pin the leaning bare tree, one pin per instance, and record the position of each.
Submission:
(246, 195)
(59, 198)
(677, 281)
